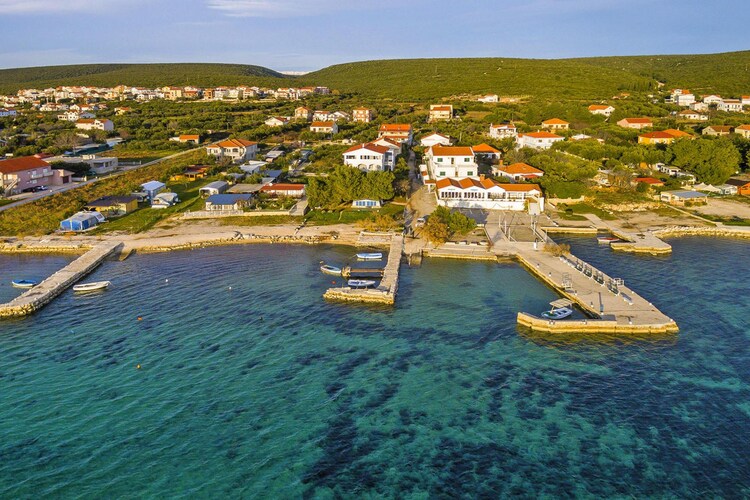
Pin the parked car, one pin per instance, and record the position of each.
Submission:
(420, 221)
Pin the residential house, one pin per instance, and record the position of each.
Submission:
(321, 115)
(328, 127)
(745, 100)
(340, 116)
(152, 188)
(488, 98)
(503, 131)
(189, 138)
(730, 106)
(712, 99)
(400, 132)
(363, 115)
(277, 121)
(440, 113)
(555, 124)
(290, 190)
(663, 136)
(683, 99)
(303, 113)
(517, 171)
(683, 197)
(369, 157)
(693, 116)
(164, 200)
(743, 130)
(537, 140)
(488, 194)
(636, 123)
(26, 172)
(238, 150)
(216, 187)
(650, 181)
(95, 124)
(450, 161)
(717, 130)
(74, 116)
(486, 151)
(192, 172)
(227, 202)
(122, 110)
(742, 185)
(110, 206)
(601, 109)
(435, 138)
(699, 106)
(393, 146)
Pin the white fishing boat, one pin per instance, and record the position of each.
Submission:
(560, 309)
(370, 256)
(23, 283)
(332, 270)
(91, 287)
(606, 240)
(360, 283)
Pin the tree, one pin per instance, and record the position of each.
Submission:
(713, 161)
(436, 231)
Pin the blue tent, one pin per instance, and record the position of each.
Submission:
(80, 221)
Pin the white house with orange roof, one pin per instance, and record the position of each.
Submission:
(435, 139)
(503, 130)
(239, 150)
(712, 99)
(326, 127)
(94, 124)
(488, 194)
(518, 171)
(486, 151)
(730, 105)
(440, 113)
(743, 130)
(537, 140)
(745, 99)
(555, 124)
(601, 109)
(303, 113)
(636, 123)
(369, 157)
(451, 161)
(401, 132)
(395, 146)
(277, 121)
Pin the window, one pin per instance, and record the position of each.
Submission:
(441, 174)
(440, 160)
(470, 173)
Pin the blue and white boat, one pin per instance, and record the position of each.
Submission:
(370, 256)
(560, 309)
(332, 270)
(23, 283)
(360, 283)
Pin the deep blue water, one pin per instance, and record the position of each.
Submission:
(266, 390)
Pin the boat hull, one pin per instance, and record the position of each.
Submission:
(333, 271)
(91, 287)
(360, 283)
(23, 283)
(370, 256)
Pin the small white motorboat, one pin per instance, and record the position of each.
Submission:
(560, 309)
(23, 283)
(332, 270)
(370, 256)
(91, 287)
(360, 283)
(606, 240)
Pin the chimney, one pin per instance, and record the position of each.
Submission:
(481, 177)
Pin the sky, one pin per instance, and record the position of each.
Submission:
(304, 35)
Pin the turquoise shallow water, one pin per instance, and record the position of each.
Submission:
(266, 390)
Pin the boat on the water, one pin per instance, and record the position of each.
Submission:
(606, 240)
(360, 283)
(370, 256)
(91, 287)
(332, 270)
(560, 309)
(23, 283)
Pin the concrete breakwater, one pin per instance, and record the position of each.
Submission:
(37, 297)
(720, 231)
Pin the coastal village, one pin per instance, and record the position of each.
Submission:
(477, 177)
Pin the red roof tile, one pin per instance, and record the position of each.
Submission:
(22, 163)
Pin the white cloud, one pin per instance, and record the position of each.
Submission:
(56, 6)
(288, 8)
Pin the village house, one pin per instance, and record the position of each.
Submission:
(601, 109)
(394, 146)
(488, 194)
(745, 99)
(517, 171)
(327, 127)
(303, 113)
(488, 98)
(717, 130)
(683, 197)
(743, 130)
(112, 206)
(277, 121)
(742, 185)
(238, 150)
(487, 152)
(537, 140)
(450, 161)
(662, 136)
(187, 138)
(433, 139)
(699, 106)
(440, 113)
(29, 172)
(94, 124)
(692, 116)
(321, 115)
(165, 200)
(682, 97)
(730, 105)
(400, 132)
(227, 202)
(340, 116)
(74, 116)
(369, 157)
(290, 190)
(503, 130)
(362, 115)
(216, 187)
(650, 181)
(636, 123)
(555, 124)
(712, 99)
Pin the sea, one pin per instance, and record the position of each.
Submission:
(223, 373)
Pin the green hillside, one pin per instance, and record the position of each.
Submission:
(726, 73)
(430, 78)
(146, 75)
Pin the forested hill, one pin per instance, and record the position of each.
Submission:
(143, 75)
(727, 74)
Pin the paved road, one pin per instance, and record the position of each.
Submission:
(68, 187)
